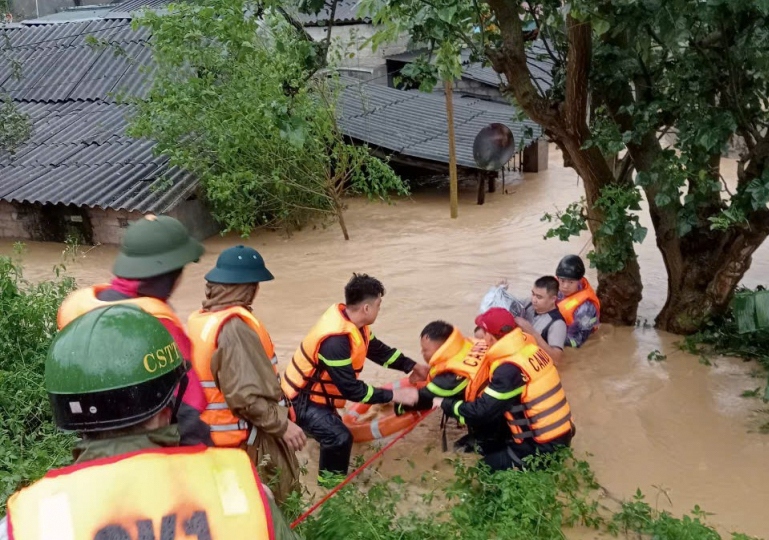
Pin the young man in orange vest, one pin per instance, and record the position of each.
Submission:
(153, 254)
(111, 376)
(577, 301)
(324, 370)
(236, 362)
(458, 368)
(524, 388)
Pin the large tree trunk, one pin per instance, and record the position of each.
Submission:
(702, 279)
(566, 124)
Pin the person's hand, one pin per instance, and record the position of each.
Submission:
(437, 402)
(419, 373)
(524, 325)
(406, 396)
(502, 283)
(294, 437)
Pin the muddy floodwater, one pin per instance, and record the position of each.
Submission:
(677, 429)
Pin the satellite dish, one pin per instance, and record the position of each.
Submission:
(493, 147)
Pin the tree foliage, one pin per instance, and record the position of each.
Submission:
(646, 97)
(15, 127)
(236, 100)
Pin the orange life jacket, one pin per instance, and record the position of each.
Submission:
(160, 493)
(305, 372)
(464, 358)
(544, 413)
(203, 328)
(82, 301)
(569, 305)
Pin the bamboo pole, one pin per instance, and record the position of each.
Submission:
(453, 188)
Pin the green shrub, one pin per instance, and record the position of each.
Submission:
(556, 493)
(30, 444)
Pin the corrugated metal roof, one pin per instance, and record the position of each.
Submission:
(413, 124)
(79, 154)
(58, 65)
(537, 58)
(137, 5)
(346, 13)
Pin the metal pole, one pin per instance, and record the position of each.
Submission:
(453, 188)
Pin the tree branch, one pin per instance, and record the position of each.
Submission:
(510, 60)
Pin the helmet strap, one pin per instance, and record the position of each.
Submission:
(179, 397)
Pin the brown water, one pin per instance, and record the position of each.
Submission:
(676, 426)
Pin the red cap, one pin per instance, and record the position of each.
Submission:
(496, 321)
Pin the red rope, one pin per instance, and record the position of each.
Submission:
(359, 470)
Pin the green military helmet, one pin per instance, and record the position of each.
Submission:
(239, 264)
(111, 368)
(155, 245)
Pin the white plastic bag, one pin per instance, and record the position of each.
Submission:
(499, 297)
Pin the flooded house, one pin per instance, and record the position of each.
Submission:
(79, 175)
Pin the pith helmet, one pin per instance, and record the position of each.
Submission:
(111, 368)
(155, 245)
(239, 264)
(570, 267)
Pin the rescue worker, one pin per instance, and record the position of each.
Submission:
(458, 368)
(153, 253)
(235, 359)
(324, 371)
(524, 388)
(577, 301)
(542, 319)
(111, 376)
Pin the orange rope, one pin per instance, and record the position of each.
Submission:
(359, 470)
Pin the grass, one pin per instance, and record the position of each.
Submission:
(30, 444)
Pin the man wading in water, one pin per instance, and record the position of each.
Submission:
(577, 301)
(542, 319)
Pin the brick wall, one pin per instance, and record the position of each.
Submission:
(109, 225)
(13, 223)
(27, 222)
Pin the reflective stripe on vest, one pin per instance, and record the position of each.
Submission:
(305, 372)
(84, 300)
(567, 306)
(183, 492)
(469, 363)
(544, 413)
(227, 430)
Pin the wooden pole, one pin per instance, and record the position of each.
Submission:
(453, 188)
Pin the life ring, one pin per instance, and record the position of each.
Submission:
(365, 430)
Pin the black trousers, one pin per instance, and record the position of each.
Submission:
(500, 456)
(325, 426)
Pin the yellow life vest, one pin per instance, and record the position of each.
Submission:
(189, 492)
(82, 301)
(569, 305)
(464, 358)
(544, 413)
(203, 328)
(305, 372)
